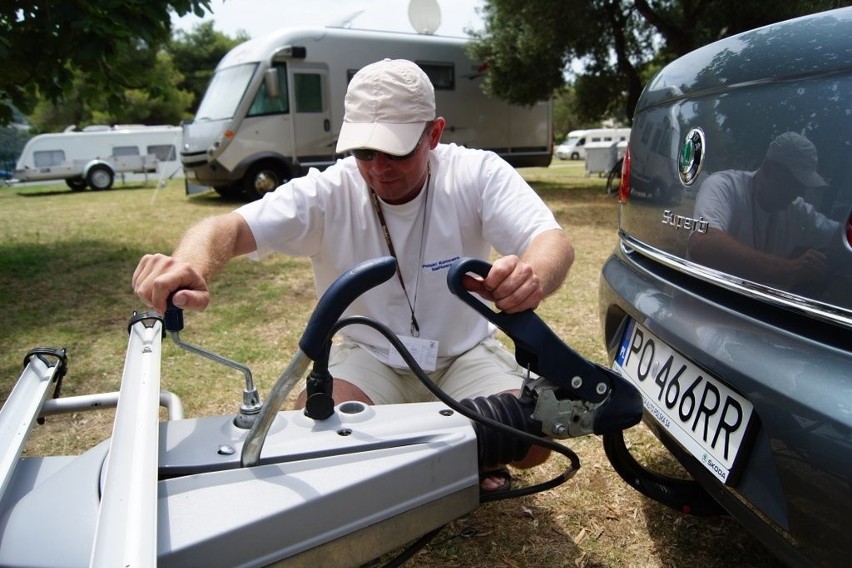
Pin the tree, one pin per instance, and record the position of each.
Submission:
(45, 44)
(165, 96)
(196, 55)
(157, 101)
(617, 44)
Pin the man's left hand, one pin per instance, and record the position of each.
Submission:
(511, 284)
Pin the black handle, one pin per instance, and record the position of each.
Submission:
(536, 346)
(337, 298)
(173, 318)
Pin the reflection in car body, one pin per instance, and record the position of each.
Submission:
(706, 304)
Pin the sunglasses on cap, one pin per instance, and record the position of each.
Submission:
(368, 155)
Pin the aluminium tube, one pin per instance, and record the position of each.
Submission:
(126, 532)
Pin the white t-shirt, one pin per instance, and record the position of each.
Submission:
(726, 200)
(474, 201)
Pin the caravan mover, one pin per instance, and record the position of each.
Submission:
(275, 106)
(93, 156)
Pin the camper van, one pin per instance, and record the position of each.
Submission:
(574, 147)
(274, 107)
(92, 157)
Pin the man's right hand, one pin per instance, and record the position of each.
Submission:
(159, 276)
(810, 267)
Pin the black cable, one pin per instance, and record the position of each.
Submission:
(414, 548)
(572, 457)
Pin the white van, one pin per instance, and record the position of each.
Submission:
(274, 106)
(574, 147)
(93, 156)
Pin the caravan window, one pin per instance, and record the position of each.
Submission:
(47, 158)
(442, 75)
(164, 152)
(308, 90)
(225, 92)
(119, 151)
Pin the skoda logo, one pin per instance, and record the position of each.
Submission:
(691, 156)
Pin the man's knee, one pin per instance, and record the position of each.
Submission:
(342, 391)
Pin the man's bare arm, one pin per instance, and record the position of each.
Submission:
(202, 253)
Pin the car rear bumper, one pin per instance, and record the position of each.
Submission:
(792, 477)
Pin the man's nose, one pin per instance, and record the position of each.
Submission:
(381, 161)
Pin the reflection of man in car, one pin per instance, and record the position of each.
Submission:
(760, 226)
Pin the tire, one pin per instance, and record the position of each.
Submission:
(684, 495)
(76, 184)
(100, 178)
(263, 178)
(575, 156)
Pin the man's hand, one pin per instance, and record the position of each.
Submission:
(511, 284)
(158, 276)
(810, 267)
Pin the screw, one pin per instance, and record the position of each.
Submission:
(601, 388)
(226, 450)
(576, 382)
(559, 429)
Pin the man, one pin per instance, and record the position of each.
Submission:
(404, 194)
(759, 225)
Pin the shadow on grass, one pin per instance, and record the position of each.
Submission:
(512, 532)
(61, 281)
(57, 190)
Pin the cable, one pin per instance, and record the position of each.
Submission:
(572, 457)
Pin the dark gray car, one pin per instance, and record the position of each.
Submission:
(728, 300)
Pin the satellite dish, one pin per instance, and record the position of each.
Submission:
(424, 15)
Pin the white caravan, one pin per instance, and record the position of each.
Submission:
(275, 106)
(93, 156)
(574, 147)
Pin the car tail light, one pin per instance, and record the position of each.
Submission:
(624, 188)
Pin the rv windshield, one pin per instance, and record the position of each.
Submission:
(225, 92)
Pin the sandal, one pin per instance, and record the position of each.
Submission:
(500, 475)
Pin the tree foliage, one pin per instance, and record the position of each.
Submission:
(609, 47)
(47, 46)
(196, 55)
(166, 95)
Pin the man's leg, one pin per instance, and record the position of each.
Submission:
(490, 369)
(360, 376)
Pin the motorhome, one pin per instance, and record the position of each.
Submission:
(274, 106)
(92, 157)
(574, 146)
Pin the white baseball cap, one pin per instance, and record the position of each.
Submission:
(387, 107)
(797, 154)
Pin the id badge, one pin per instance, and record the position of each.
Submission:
(424, 351)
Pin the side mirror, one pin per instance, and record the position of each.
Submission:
(270, 79)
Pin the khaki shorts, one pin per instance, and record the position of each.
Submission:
(486, 369)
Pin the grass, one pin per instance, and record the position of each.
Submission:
(66, 259)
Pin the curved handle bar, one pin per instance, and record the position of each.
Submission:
(337, 298)
(536, 346)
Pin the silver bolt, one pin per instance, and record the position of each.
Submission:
(559, 429)
(576, 382)
(601, 388)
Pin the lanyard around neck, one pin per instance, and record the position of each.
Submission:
(415, 327)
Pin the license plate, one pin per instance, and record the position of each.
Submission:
(708, 418)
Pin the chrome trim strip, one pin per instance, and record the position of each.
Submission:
(753, 290)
